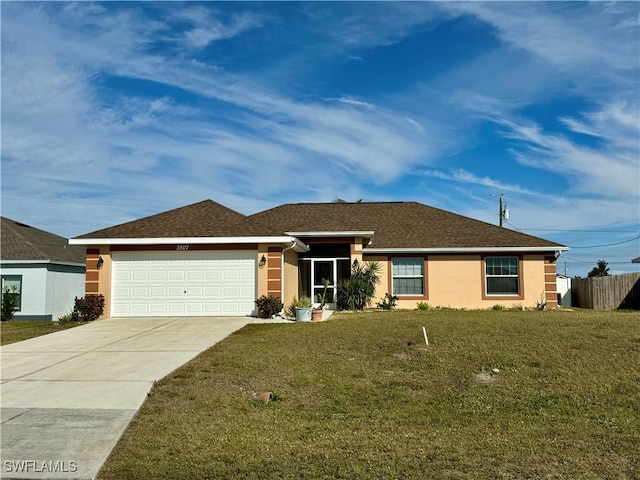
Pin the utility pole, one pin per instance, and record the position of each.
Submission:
(503, 214)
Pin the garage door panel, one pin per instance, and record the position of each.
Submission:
(176, 275)
(195, 275)
(197, 291)
(231, 275)
(246, 291)
(140, 309)
(140, 276)
(195, 308)
(175, 308)
(213, 275)
(158, 275)
(158, 292)
(122, 276)
(184, 283)
(140, 292)
(121, 292)
(157, 308)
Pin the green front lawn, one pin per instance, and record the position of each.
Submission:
(361, 397)
(13, 331)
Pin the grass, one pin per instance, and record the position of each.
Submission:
(13, 331)
(360, 397)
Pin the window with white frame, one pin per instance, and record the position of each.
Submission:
(502, 276)
(407, 276)
(13, 283)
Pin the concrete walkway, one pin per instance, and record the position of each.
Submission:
(67, 397)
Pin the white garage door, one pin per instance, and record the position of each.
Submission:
(196, 283)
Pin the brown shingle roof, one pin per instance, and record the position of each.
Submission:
(202, 219)
(397, 225)
(22, 242)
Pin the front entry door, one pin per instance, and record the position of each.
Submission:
(313, 270)
(321, 270)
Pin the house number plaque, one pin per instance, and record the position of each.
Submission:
(182, 247)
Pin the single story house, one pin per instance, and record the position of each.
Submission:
(206, 259)
(45, 270)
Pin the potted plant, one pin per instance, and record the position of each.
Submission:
(301, 308)
(316, 313)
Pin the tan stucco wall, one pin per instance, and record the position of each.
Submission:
(356, 250)
(290, 277)
(104, 279)
(457, 281)
(262, 278)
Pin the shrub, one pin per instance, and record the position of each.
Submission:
(302, 302)
(388, 302)
(356, 292)
(66, 318)
(268, 306)
(9, 303)
(88, 309)
(423, 306)
(497, 306)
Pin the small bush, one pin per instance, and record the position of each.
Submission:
(268, 306)
(88, 309)
(388, 302)
(302, 302)
(497, 306)
(9, 303)
(423, 306)
(66, 318)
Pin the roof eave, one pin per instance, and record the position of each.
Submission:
(284, 240)
(557, 249)
(344, 233)
(6, 261)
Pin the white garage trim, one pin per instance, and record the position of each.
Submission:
(184, 283)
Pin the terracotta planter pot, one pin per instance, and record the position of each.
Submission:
(316, 315)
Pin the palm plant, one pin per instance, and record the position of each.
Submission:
(357, 291)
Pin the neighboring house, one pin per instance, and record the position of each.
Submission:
(205, 259)
(563, 285)
(45, 270)
(636, 260)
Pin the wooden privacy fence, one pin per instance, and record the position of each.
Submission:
(607, 293)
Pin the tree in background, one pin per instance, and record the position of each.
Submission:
(599, 271)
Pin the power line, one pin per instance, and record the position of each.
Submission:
(610, 244)
(573, 230)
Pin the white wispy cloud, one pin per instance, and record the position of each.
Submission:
(206, 27)
(608, 170)
(465, 177)
(60, 124)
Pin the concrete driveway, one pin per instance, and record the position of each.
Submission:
(67, 397)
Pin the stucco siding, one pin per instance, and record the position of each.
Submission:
(458, 281)
(34, 288)
(290, 276)
(64, 284)
(48, 290)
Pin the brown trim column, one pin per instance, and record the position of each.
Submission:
(274, 272)
(92, 282)
(550, 282)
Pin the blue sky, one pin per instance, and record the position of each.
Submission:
(115, 111)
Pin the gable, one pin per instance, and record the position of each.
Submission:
(203, 219)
